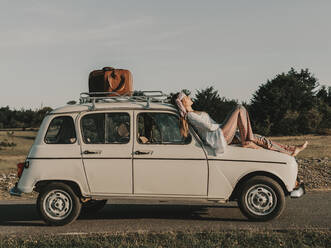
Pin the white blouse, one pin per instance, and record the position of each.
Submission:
(208, 130)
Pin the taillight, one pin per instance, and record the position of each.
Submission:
(20, 168)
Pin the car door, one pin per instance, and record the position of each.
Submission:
(164, 162)
(107, 151)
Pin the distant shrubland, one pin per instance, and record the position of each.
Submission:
(291, 103)
(23, 118)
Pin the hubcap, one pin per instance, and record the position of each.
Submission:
(261, 199)
(57, 204)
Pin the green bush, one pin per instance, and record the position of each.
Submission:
(309, 121)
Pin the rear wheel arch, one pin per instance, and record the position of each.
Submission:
(72, 184)
(58, 204)
(236, 191)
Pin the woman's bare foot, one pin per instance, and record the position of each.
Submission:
(251, 144)
(300, 149)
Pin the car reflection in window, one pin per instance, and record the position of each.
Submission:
(106, 128)
(160, 128)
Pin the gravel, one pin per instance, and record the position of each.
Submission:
(315, 172)
(7, 181)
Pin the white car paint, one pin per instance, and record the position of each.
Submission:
(110, 170)
(185, 171)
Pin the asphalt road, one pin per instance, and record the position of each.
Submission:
(312, 211)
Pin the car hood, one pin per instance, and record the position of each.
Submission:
(233, 152)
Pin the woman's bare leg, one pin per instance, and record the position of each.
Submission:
(272, 145)
(275, 146)
(238, 119)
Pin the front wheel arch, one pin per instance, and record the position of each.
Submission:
(235, 193)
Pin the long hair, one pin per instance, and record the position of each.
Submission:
(183, 124)
(183, 127)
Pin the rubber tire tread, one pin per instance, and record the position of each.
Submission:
(269, 182)
(76, 208)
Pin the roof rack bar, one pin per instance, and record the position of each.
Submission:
(141, 96)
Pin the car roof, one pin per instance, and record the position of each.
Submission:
(113, 105)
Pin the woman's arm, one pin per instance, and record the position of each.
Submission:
(202, 121)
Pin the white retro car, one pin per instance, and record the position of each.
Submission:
(109, 148)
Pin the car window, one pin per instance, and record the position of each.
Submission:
(106, 128)
(159, 128)
(61, 130)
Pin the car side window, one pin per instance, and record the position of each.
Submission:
(106, 128)
(61, 130)
(160, 128)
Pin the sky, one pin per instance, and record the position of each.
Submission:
(48, 48)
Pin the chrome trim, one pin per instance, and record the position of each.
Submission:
(251, 161)
(298, 192)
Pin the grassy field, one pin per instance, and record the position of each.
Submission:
(254, 239)
(10, 156)
(319, 147)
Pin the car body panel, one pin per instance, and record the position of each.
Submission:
(110, 171)
(70, 170)
(49, 162)
(170, 169)
(237, 162)
(181, 171)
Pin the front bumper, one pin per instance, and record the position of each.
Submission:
(299, 191)
(15, 191)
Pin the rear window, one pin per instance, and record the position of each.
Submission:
(61, 130)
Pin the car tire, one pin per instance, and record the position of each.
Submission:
(58, 205)
(92, 206)
(261, 199)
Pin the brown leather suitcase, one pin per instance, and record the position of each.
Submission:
(111, 80)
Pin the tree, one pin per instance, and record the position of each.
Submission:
(5, 116)
(22, 118)
(293, 92)
(40, 115)
(323, 94)
(309, 121)
(324, 107)
(209, 100)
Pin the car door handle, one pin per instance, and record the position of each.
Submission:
(92, 152)
(143, 152)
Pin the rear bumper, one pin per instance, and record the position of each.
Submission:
(299, 191)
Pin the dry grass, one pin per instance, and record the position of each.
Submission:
(237, 238)
(318, 146)
(314, 166)
(10, 156)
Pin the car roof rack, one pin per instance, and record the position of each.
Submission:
(135, 96)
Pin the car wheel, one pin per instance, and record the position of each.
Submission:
(93, 206)
(58, 205)
(261, 198)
